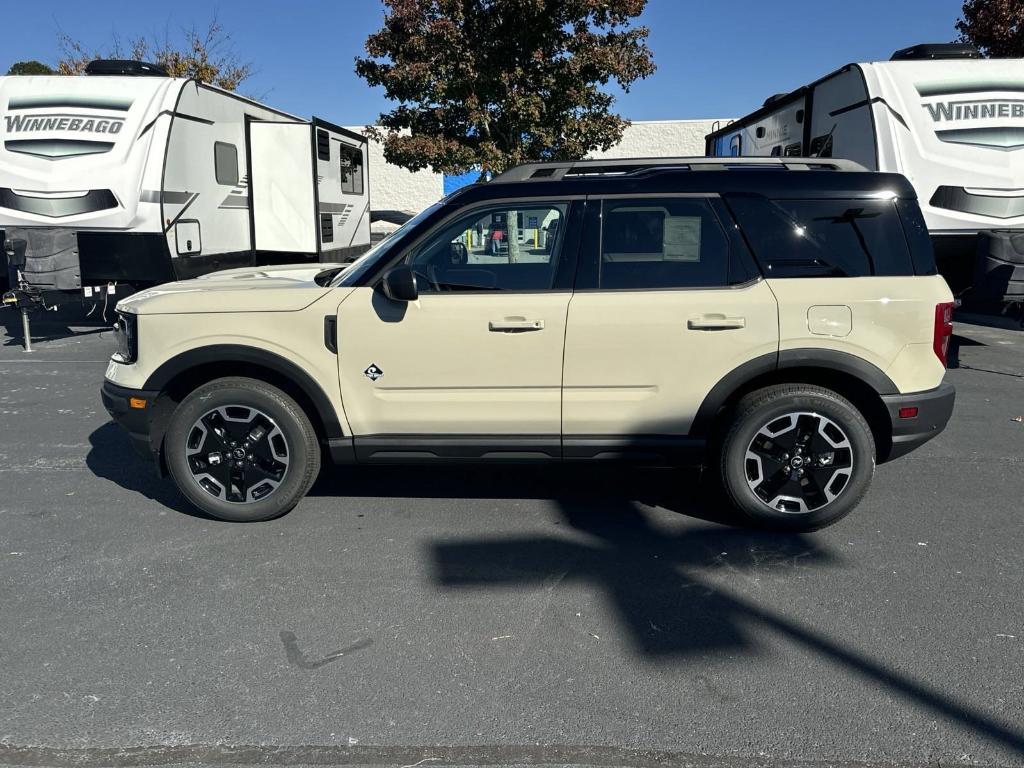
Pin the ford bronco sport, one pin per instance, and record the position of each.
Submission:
(778, 319)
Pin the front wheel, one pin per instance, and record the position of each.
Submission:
(797, 457)
(240, 449)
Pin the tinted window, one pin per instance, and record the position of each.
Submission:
(351, 170)
(821, 146)
(511, 247)
(921, 250)
(824, 238)
(661, 243)
(225, 163)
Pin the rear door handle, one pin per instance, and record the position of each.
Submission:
(715, 323)
(515, 326)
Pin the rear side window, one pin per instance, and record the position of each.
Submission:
(662, 243)
(824, 238)
(921, 250)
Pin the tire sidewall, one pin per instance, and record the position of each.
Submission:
(844, 415)
(273, 404)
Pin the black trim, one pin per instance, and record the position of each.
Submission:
(331, 333)
(137, 422)
(825, 359)
(868, 102)
(427, 448)
(58, 207)
(669, 450)
(935, 407)
(237, 353)
(57, 149)
(172, 113)
(843, 362)
(338, 129)
(994, 206)
(713, 401)
(109, 103)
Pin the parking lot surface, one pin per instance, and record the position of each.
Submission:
(503, 615)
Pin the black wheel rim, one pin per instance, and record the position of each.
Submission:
(799, 462)
(237, 453)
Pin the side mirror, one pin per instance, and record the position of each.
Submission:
(399, 284)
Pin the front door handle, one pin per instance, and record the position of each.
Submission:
(715, 323)
(515, 326)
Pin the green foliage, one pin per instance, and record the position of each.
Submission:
(996, 27)
(493, 83)
(31, 67)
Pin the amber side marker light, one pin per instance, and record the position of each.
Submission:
(136, 402)
(909, 412)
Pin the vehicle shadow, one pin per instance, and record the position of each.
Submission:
(52, 326)
(112, 457)
(686, 491)
(670, 610)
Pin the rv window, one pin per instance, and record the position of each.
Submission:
(661, 243)
(225, 163)
(824, 238)
(777, 150)
(351, 170)
(323, 145)
(792, 150)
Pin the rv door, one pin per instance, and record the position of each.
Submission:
(282, 191)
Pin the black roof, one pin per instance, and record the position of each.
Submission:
(773, 182)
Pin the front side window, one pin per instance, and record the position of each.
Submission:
(351, 170)
(510, 247)
(824, 238)
(661, 243)
(225, 163)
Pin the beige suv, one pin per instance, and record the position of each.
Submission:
(780, 319)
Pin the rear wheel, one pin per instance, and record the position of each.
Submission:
(242, 450)
(797, 457)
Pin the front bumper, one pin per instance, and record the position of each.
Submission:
(934, 409)
(138, 422)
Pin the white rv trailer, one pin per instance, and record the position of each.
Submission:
(951, 122)
(126, 175)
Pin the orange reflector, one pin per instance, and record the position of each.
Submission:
(908, 413)
(136, 402)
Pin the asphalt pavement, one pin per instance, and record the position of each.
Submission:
(503, 615)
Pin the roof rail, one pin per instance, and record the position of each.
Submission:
(556, 171)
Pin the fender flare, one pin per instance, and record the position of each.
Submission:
(238, 353)
(825, 359)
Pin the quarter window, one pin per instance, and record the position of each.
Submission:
(824, 238)
(662, 243)
(351, 170)
(225, 163)
(513, 247)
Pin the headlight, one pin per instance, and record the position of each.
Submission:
(126, 336)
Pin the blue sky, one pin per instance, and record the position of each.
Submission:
(715, 59)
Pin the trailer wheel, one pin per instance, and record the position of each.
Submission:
(240, 449)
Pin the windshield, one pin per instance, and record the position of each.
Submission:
(369, 259)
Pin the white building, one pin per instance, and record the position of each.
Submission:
(396, 189)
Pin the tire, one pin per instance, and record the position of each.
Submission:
(274, 469)
(827, 476)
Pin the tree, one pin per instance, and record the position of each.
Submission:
(996, 27)
(206, 56)
(31, 67)
(493, 83)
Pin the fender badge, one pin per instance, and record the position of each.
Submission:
(373, 372)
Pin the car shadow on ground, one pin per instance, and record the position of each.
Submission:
(112, 457)
(662, 583)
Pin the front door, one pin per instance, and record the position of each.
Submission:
(473, 367)
(666, 305)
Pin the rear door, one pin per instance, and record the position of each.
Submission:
(667, 303)
(281, 184)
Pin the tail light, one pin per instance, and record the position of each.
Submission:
(943, 330)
